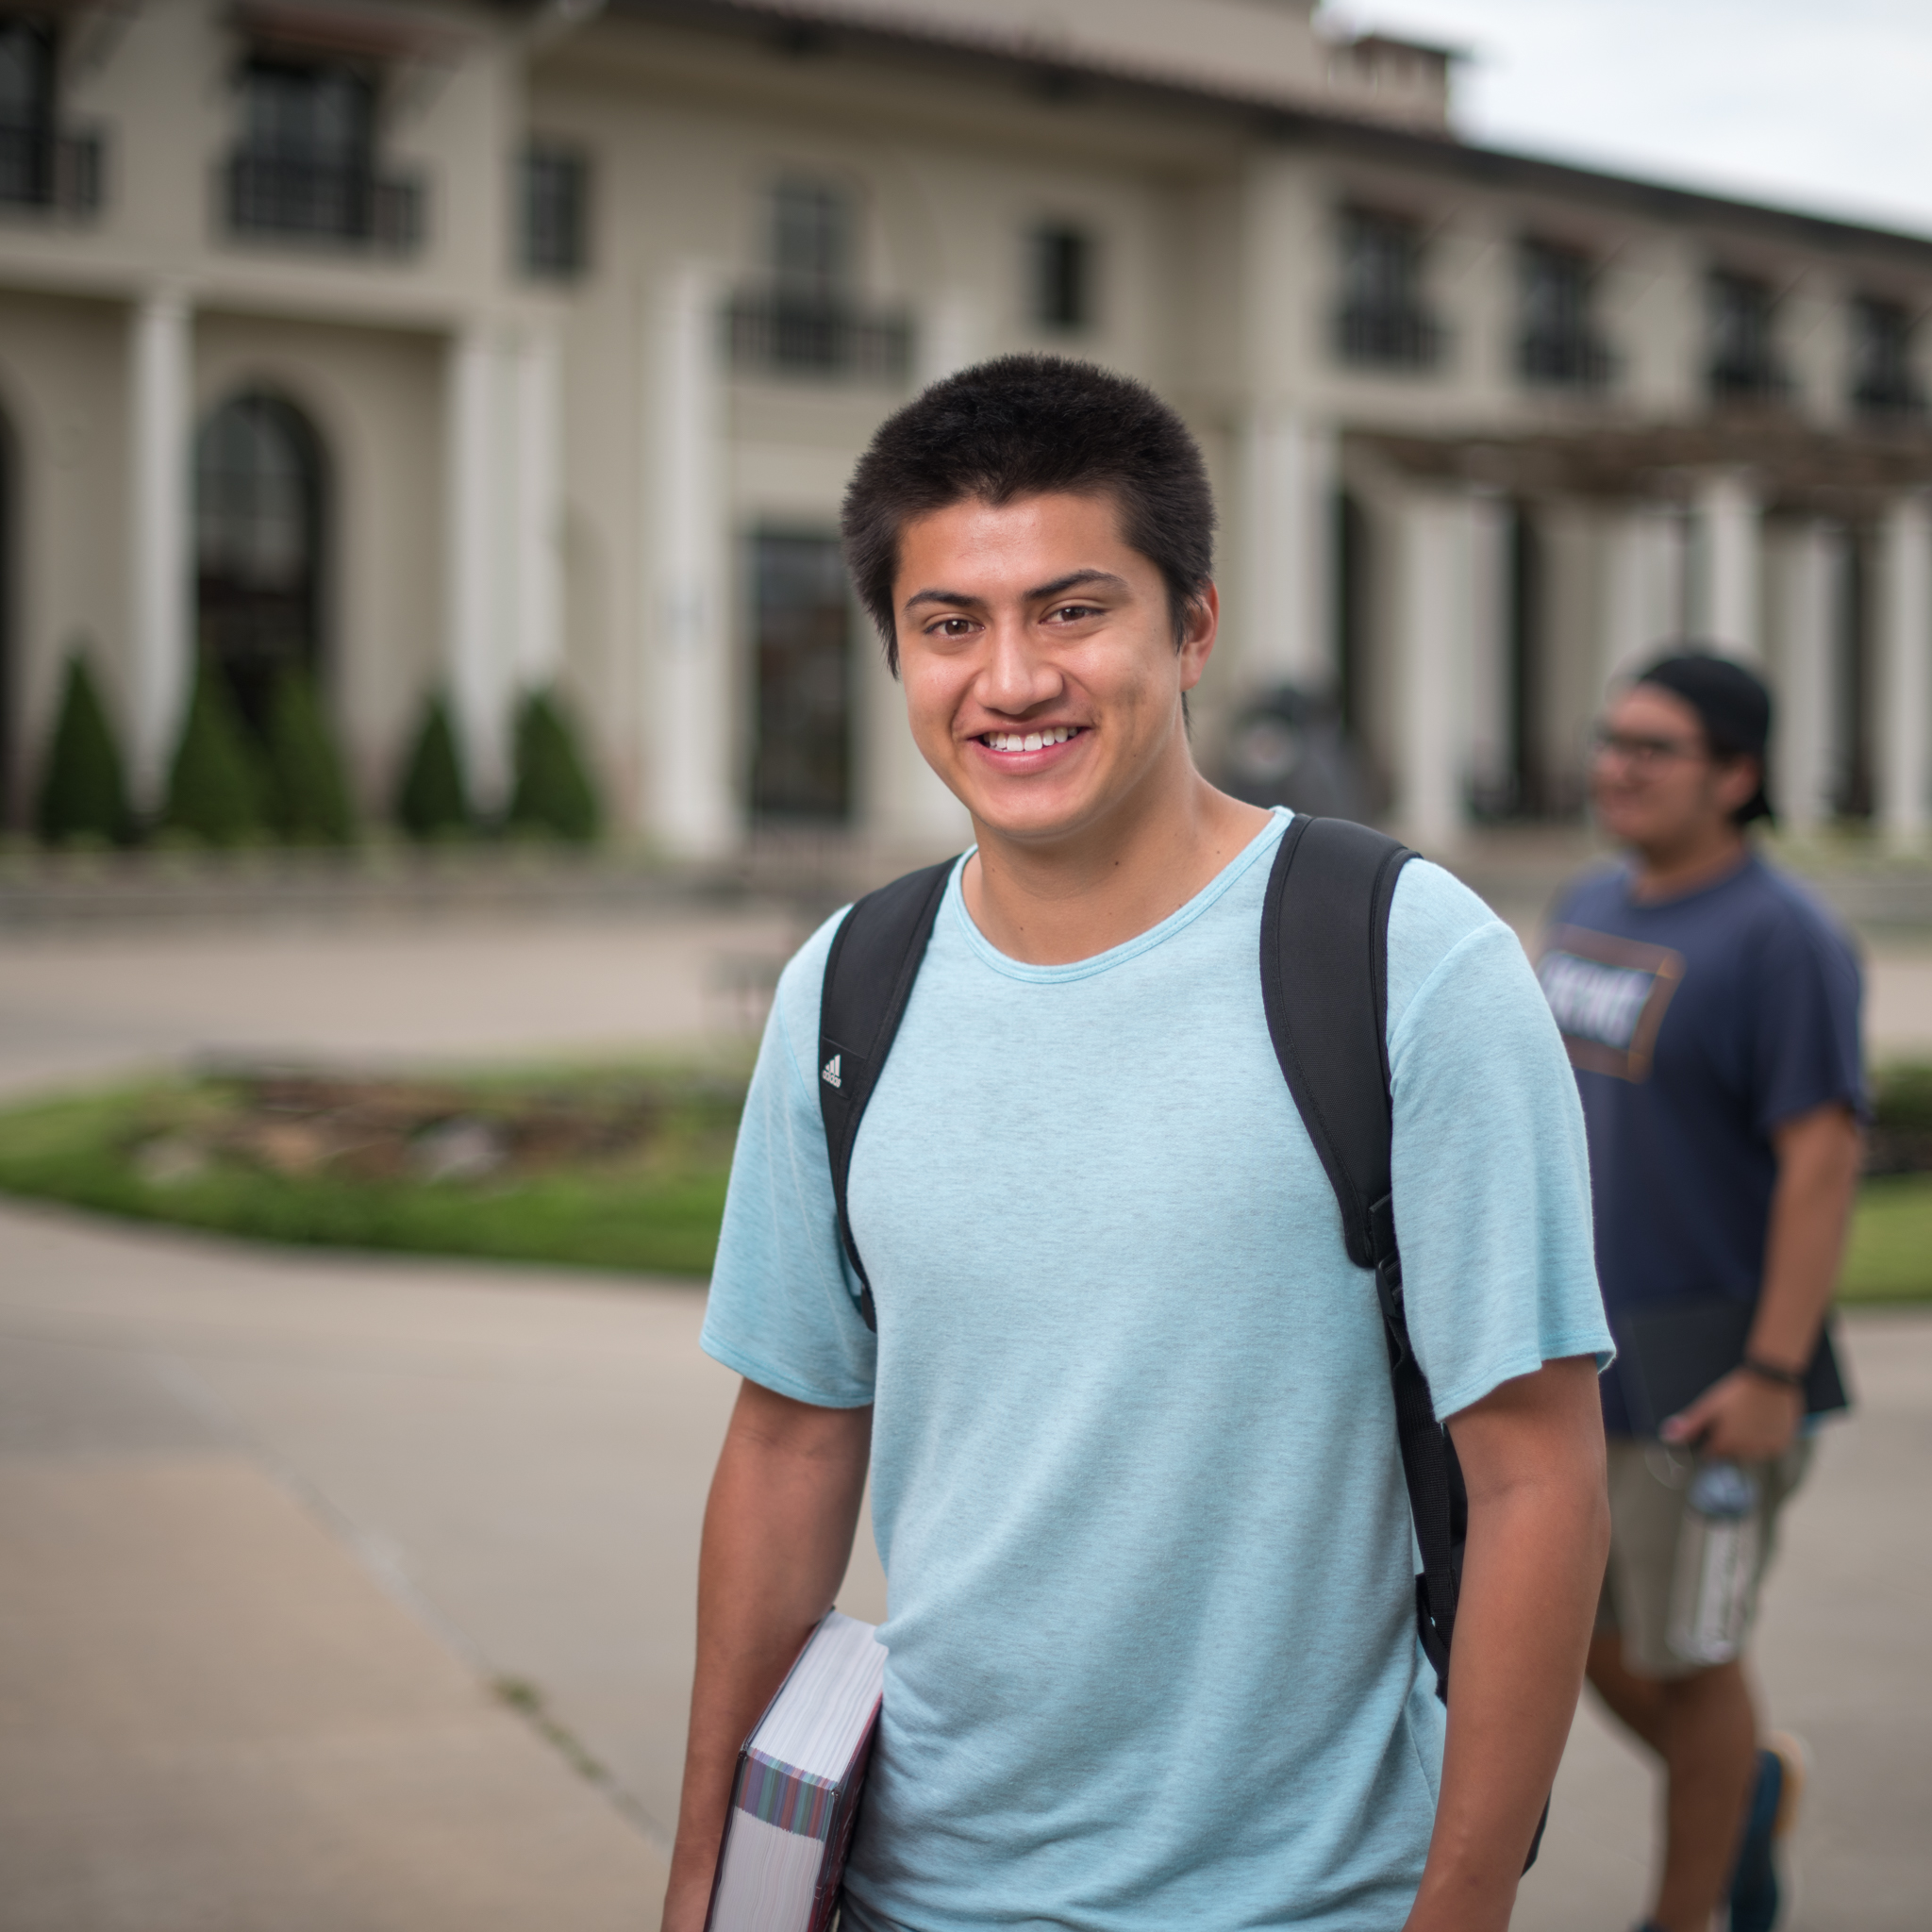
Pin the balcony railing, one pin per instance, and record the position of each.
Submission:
(1892, 392)
(40, 168)
(774, 333)
(1748, 379)
(1388, 338)
(322, 201)
(1568, 358)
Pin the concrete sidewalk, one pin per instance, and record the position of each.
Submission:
(275, 1525)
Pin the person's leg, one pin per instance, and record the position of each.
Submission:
(1709, 1734)
(1704, 1730)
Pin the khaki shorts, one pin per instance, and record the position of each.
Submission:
(1647, 1486)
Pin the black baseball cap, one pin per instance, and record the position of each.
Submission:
(1734, 705)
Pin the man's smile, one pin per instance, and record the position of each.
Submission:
(1040, 738)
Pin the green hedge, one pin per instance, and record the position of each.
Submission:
(83, 792)
(433, 801)
(552, 796)
(218, 789)
(309, 795)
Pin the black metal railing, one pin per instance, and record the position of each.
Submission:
(43, 168)
(1565, 359)
(1748, 379)
(1888, 392)
(1388, 338)
(322, 201)
(776, 333)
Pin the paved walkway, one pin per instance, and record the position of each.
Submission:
(275, 1525)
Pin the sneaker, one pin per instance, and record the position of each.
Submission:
(1755, 1892)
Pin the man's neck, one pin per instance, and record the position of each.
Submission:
(1668, 873)
(1053, 903)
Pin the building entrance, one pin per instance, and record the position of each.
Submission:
(258, 505)
(802, 757)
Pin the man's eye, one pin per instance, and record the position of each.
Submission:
(1072, 613)
(951, 628)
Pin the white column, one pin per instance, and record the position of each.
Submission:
(476, 562)
(1485, 707)
(952, 335)
(161, 348)
(1804, 570)
(538, 645)
(1904, 671)
(1628, 563)
(688, 704)
(1728, 510)
(1432, 650)
(1288, 621)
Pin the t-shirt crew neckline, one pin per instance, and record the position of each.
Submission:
(1741, 870)
(1177, 921)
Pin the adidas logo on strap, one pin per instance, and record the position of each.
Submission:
(829, 1072)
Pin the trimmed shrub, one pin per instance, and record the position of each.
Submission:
(309, 794)
(553, 796)
(83, 784)
(433, 801)
(216, 788)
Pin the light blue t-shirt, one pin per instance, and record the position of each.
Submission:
(1135, 1475)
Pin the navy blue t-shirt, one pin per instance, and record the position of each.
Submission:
(1697, 1025)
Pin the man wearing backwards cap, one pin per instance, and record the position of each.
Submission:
(1711, 1012)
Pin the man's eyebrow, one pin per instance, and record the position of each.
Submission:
(1073, 579)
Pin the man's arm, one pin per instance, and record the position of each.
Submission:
(1749, 1416)
(1532, 1455)
(777, 1537)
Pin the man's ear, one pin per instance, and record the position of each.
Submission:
(1201, 625)
(1736, 779)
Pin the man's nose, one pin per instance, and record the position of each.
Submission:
(1016, 674)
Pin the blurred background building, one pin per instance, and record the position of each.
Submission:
(479, 351)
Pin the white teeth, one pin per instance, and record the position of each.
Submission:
(1032, 740)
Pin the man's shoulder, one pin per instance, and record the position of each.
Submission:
(1433, 913)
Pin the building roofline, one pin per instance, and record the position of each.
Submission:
(814, 26)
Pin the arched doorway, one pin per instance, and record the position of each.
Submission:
(259, 529)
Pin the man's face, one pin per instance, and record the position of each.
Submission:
(1656, 783)
(1038, 652)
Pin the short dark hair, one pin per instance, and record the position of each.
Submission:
(1734, 705)
(1030, 425)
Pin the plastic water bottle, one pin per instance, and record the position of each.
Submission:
(1717, 1560)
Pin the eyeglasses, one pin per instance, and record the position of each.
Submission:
(1644, 754)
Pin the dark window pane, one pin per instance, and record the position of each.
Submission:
(1883, 379)
(811, 237)
(26, 114)
(257, 540)
(555, 204)
(1382, 321)
(1743, 357)
(1559, 344)
(1062, 278)
(802, 764)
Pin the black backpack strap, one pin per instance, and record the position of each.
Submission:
(875, 958)
(1325, 984)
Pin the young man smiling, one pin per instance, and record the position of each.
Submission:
(1136, 1483)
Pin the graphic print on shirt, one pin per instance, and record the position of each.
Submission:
(1610, 996)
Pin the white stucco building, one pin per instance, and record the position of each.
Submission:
(478, 348)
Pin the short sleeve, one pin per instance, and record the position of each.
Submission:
(1491, 1175)
(781, 1311)
(1805, 1048)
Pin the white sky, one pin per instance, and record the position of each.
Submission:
(1820, 104)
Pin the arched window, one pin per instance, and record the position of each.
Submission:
(259, 491)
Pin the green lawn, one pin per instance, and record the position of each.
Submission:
(1890, 1259)
(654, 1211)
(652, 1208)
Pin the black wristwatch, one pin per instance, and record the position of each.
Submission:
(1771, 1371)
